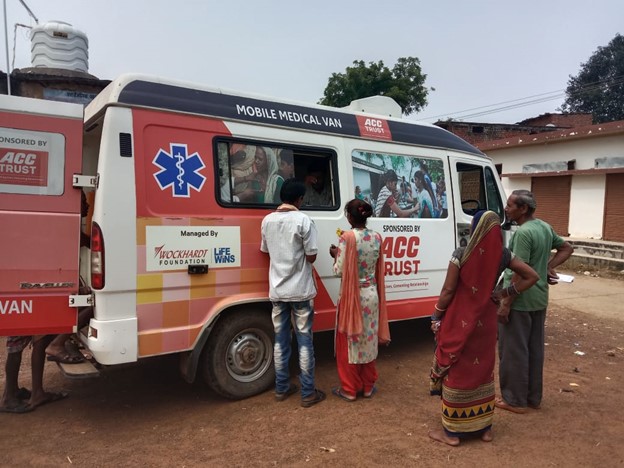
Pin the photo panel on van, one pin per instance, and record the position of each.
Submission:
(251, 174)
(399, 186)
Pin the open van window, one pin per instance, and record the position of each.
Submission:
(400, 186)
(478, 189)
(252, 173)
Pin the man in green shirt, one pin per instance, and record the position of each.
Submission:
(522, 317)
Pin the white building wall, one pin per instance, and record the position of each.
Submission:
(587, 200)
(587, 192)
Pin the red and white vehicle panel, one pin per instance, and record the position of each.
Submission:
(40, 151)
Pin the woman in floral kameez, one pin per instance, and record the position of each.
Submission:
(465, 323)
(362, 322)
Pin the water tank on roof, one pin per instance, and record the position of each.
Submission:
(56, 44)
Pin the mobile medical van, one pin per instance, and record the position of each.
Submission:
(177, 195)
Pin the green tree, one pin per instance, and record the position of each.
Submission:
(405, 83)
(599, 86)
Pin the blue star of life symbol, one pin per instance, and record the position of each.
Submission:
(179, 170)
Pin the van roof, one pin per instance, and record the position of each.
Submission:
(179, 96)
(26, 105)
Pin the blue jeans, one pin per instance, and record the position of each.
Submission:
(302, 315)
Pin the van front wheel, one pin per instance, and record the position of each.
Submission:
(238, 359)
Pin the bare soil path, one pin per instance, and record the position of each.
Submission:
(145, 415)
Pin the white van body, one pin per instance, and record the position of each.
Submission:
(176, 265)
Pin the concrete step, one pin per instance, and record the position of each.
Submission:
(580, 261)
(596, 254)
(599, 251)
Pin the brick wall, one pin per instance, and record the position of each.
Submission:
(35, 89)
(560, 120)
(475, 133)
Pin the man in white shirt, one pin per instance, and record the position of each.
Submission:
(290, 238)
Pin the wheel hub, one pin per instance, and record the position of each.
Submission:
(249, 355)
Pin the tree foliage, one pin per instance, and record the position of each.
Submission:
(404, 83)
(599, 86)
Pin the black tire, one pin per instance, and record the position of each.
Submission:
(238, 357)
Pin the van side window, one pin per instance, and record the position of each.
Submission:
(400, 186)
(252, 173)
(478, 189)
(494, 199)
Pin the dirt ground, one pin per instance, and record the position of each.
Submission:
(145, 415)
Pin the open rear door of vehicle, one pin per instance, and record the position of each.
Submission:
(40, 151)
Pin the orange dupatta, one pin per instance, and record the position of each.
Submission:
(349, 306)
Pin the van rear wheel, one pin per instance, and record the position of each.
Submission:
(238, 359)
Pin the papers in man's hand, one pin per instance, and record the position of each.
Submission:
(565, 278)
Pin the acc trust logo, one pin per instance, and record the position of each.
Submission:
(179, 170)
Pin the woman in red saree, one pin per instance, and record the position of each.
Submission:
(362, 319)
(466, 322)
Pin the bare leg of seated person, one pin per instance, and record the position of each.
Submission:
(58, 352)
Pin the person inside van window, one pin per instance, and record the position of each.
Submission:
(318, 192)
(241, 166)
(388, 196)
(226, 185)
(226, 192)
(425, 204)
(263, 180)
(270, 181)
(286, 171)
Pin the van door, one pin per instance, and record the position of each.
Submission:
(40, 151)
(476, 186)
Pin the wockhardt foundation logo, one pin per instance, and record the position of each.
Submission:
(180, 256)
(169, 248)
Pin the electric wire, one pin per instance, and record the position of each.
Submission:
(15, 41)
(530, 100)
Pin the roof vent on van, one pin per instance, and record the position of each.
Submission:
(57, 44)
(379, 105)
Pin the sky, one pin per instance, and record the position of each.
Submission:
(478, 55)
